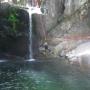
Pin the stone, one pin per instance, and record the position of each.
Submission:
(80, 53)
(72, 5)
(14, 43)
(55, 9)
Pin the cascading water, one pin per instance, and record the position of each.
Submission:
(30, 34)
(30, 11)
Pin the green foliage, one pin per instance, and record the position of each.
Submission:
(13, 20)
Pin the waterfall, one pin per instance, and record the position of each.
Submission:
(30, 11)
(30, 36)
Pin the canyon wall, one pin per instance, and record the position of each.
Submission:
(66, 24)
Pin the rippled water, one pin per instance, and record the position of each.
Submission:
(53, 74)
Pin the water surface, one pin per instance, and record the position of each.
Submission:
(48, 74)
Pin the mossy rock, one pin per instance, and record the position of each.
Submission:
(14, 31)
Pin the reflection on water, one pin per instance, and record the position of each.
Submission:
(43, 75)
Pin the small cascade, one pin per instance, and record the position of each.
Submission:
(30, 38)
(30, 11)
(30, 33)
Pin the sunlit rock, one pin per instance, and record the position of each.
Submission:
(55, 9)
(72, 5)
(80, 54)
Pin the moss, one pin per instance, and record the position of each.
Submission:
(13, 20)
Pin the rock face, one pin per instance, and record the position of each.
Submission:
(55, 9)
(80, 55)
(72, 29)
(39, 26)
(39, 31)
(81, 50)
(72, 5)
(44, 23)
(14, 29)
(65, 24)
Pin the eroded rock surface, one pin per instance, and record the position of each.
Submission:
(14, 32)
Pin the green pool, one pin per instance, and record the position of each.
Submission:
(51, 74)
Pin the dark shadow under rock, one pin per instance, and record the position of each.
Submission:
(14, 32)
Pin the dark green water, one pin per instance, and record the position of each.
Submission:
(43, 75)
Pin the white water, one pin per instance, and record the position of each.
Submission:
(30, 34)
(31, 10)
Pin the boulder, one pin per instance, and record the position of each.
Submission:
(14, 32)
(80, 54)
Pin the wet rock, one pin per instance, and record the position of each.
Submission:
(14, 32)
